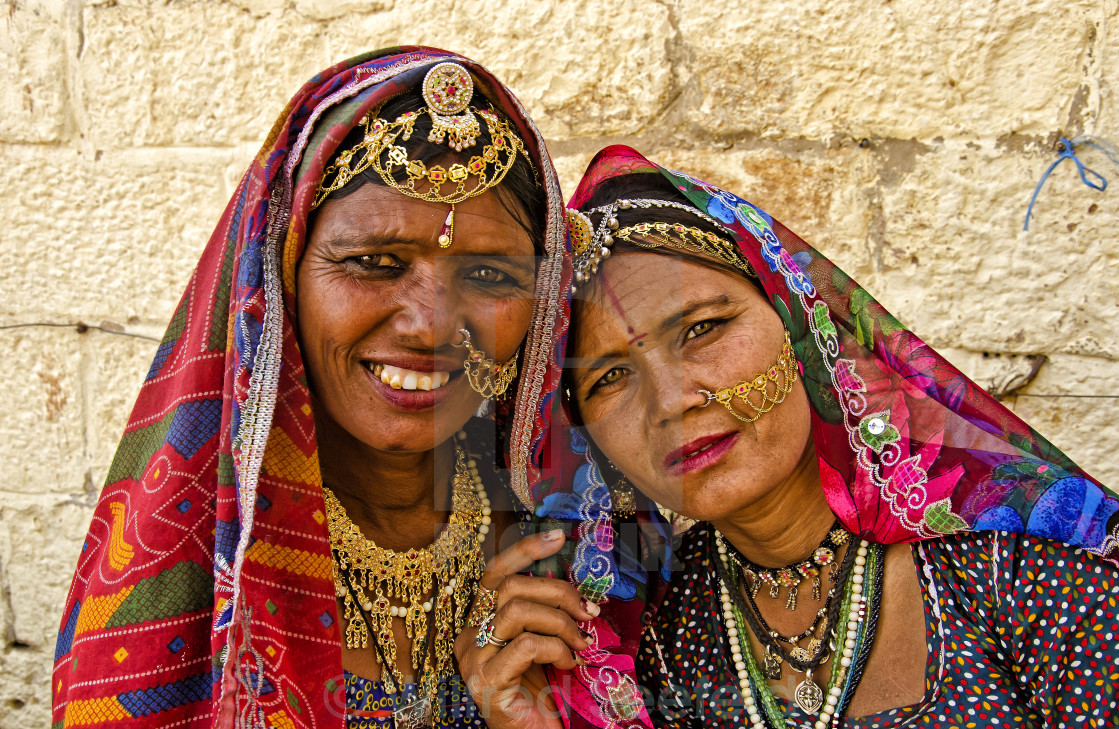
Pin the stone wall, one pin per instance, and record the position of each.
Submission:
(901, 137)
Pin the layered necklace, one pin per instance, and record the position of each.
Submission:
(855, 592)
(791, 576)
(378, 585)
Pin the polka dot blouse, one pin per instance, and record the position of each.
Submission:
(1021, 632)
(368, 706)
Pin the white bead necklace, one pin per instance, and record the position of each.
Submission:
(854, 618)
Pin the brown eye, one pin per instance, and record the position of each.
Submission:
(700, 329)
(486, 274)
(612, 376)
(375, 260)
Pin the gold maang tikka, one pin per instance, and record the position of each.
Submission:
(486, 377)
(447, 90)
(762, 392)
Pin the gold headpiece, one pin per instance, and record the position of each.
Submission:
(447, 90)
(591, 244)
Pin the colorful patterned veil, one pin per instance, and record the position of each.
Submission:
(203, 594)
(908, 447)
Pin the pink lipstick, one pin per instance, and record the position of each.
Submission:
(700, 453)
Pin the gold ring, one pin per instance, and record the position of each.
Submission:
(485, 604)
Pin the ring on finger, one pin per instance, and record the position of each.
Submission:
(485, 634)
(485, 605)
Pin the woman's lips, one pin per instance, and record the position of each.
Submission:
(413, 399)
(699, 454)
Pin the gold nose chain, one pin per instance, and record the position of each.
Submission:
(762, 392)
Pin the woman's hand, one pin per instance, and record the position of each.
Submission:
(536, 624)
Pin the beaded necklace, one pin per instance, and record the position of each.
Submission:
(860, 593)
(792, 575)
(819, 633)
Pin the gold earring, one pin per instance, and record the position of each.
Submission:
(486, 377)
(622, 498)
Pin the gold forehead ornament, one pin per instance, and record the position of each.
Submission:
(591, 244)
(447, 90)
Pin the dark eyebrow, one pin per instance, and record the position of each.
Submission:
(354, 241)
(590, 365)
(350, 242)
(673, 319)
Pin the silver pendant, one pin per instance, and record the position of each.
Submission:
(809, 696)
(771, 665)
(416, 714)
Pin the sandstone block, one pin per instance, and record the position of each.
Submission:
(894, 70)
(570, 168)
(33, 70)
(1000, 374)
(26, 686)
(805, 190)
(191, 74)
(42, 441)
(581, 68)
(1106, 73)
(260, 8)
(955, 264)
(1071, 375)
(110, 238)
(330, 9)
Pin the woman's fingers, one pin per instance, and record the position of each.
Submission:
(507, 668)
(502, 576)
(527, 649)
(534, 623)
(521, 555)
(558, 594)
(518, 616)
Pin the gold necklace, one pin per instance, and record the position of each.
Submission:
(450, 567)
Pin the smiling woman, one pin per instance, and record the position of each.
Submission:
(295, 527)
(381, 307)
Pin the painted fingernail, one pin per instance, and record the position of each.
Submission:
(587, 637)
(578, 659)
(590, 608)
(552, 535)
